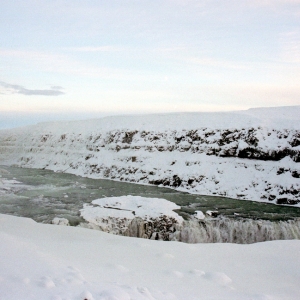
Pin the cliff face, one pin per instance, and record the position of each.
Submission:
(240, 155)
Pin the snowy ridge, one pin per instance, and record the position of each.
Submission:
(251, 154)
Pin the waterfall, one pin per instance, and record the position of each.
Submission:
(220, 230)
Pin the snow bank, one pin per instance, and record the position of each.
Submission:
(251, 154)
(40, 261)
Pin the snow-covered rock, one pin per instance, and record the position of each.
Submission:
(154, 217)
(199, 215)
(212, 213)
(251, 154)
(60, 221)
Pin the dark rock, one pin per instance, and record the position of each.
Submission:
(287, 201)
(280, 171)
(156, 182)
(271, 197)
(166, 182)
(212, 214)
(191, 180)
(295, 141)
(176, 181)
(128, 137)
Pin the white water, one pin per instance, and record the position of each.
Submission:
(221, 230)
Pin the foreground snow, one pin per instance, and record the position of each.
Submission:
(251, 154)
(39, 261)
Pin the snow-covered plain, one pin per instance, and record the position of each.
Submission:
(40, 261)
(251, 154)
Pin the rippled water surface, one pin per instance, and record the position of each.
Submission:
(45, 194)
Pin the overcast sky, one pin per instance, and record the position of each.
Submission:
(75, 58)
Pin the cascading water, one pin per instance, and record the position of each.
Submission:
(225, 230)
(220, 230)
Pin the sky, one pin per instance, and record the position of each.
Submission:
(85, 59)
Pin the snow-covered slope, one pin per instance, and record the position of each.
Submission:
(40, 261)
(251, 154)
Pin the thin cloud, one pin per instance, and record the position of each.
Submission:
(19, 89)
(57, 87)
(96, 49)
(275, 2)
(64, 64)
(210, 62)
(290, 47)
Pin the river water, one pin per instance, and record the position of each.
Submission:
(44, 195)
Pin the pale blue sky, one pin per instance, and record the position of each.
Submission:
(78, 59)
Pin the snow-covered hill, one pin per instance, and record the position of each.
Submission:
(251, 154)
(40, 261)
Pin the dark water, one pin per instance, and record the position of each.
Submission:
(47, 195)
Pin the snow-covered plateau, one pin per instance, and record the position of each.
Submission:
(42, 261)
(252, 154)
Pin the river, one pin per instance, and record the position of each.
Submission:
(44, 195)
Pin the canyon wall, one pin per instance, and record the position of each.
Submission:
(250, 155)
